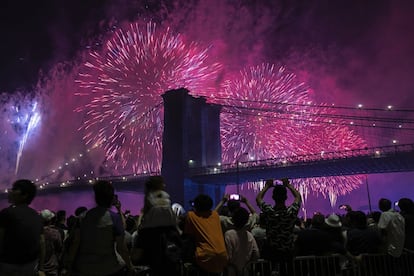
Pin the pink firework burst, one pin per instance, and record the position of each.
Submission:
(268, 113)
(125, 82)
(258, 107)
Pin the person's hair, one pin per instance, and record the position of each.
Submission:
(240, 217)
(71, 222)
(279, 193)
(233, 205)
(358, 219)
(154, 183)
(61, 214)
(104, 193)
(406, 205)
(27, 188)
(80, 210)
(318, 221)
(375, 216)
(203, 203)
(384, 204)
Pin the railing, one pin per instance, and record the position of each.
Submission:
(375, 152)
(334, 265)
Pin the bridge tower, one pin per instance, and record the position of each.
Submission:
(191, 138)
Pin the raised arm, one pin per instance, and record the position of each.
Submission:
(249, 206)
(295, 193)
(260, 195)
(118, 206)
(221, 203)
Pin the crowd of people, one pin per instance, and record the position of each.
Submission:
(107, 241)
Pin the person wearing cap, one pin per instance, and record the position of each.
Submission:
(22, 244)
(280, 221)
(53, 243)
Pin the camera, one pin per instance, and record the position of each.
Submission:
(234, 197)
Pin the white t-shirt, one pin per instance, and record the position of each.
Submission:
(241, 248)
(394, 225)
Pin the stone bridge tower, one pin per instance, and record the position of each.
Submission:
(191, 138)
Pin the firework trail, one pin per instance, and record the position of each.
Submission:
(23, 117)
(125, 83)
(31, 121)
(268, 113)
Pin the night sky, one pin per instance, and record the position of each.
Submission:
(36, 34)
(360, 47)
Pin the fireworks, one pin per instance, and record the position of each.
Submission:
(30, 121)
(257, 112)
(23, 117)
(268, 113)
(125, 83)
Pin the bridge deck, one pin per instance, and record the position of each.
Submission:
(364, 161)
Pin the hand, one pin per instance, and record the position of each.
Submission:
(117, 204)
(226, 197)
(269, 183)
(243, 199)
(285, 181)
(41, 273)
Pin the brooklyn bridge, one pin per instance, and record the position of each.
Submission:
(192, 157)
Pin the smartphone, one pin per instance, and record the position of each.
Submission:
(234, 197)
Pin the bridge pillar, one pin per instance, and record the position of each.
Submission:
(191, 138)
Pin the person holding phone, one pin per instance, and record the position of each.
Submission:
(99, 238)
(280, 221)
(233, 203)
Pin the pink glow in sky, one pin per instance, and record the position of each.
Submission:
(125, 82)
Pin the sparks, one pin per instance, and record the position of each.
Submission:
(125, 83)
(278, 121)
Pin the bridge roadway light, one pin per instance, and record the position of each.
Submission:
(191, 163)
